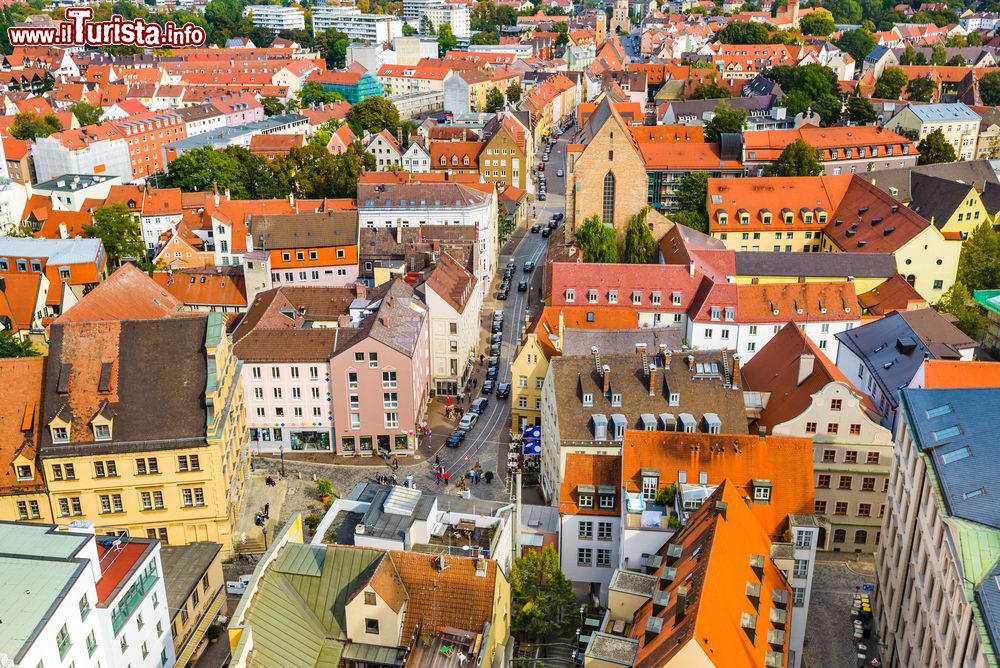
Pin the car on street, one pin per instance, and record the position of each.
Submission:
(546, 233)
(522, 286)
(496, 338)
(494, 360)
(553, 224)
(498, 315)
(558, 216)
(503, 294)
(488, 386)
(479, 405)
(469, 419)
(491, 373)
(503, 390)
(455, 438)
(495, 349)
(529, 267)
(541, 197)
(541, 168)
(536, 228)
(559, 173)
(497, 326)
(545, 158)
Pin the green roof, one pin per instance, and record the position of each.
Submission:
(41, 540)
(988, 299)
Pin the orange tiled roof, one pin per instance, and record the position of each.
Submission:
(581, 317)
(203, 286)
(128, 294)
(767, 145)
(20, 414)
(953, 374)
(161, 201)
(872, 221)
(784, 460)
(57, 221)
(798, 302)
(19, 297)
(585, 469)
(894, 294)
(777, 196)
(454, 154)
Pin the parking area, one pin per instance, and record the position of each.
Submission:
(830, 641)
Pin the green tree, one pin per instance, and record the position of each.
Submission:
(844, 11)
(782, 37)
(890, 85)
(86, 113)
(938, 54)
(408, 30)
(426, 27)
(542, 602)
(373, 114)
(797, 159)
(12, 346)
(332, 45)
(494, 100)
(597, 241)
(314, 93)
(119, 231)
(817, 23)
(726, 119)
(488, 37)
(958, 302)
(989, 88)
(974, 39)
(272, 106)
(958, 60)
(29, 125)
(979, 265)
(740, 32)
(640, 246)
(710, 91)
(234, 169)
(920, 89)
(809, 87)
(858, 43)
(514, 92)
(446, 39)
(860, 110)
(909, 55)
(692, 196)
(920, 58)
(934, 148)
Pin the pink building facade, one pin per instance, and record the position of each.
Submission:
(288, 406)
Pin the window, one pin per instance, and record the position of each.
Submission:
(819, 507)
(586, 530)
(585, 501)
(604, 529)
(851, 457)
(370, 598)
(608, 210)
(856, 431)
(352, 380)
(871, 457)
(606, 501)
(840, 508)
(649, 485)
(62, 641)
(188, 463)
(868, 484)
(800, 569)
(761, 493)
(584, 556)
(864, 510)
(811, 428)
(371, 625)
(835, 404)
(823, 482)
(798, 596)
(603, 557)
(860, 537)
(845, 482)
(829, 455)
(372, 360)
(60, 434)
(803, 539)
(832, 427)
(359, 357)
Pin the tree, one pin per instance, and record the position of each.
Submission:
(781, 37)
(726, 119)
(446, 39)
(373, 114)
(332, 45)
(29, 125)
(485, 38)
(938, 54)
(958, 60)
(809, 88)
(639, 243)
(974, 39)
(817, 23)
(740, 32)
(205, 168)
(86, 113)
(542, 602)
(797, 159)
(909, 55)
(920, 89)
(597, 241)
(989, 88)
(692, 219)
(958, 302)
(514, 92)
(426, 27)
(844, 11)
(11, 346)
(890, 85)
(408, 30)
(934, 148)
(314, 93)
(858, 43)
(494, 100)
(860, 111)
(692, 196)
(711, 91)
(272, 106)
(979, 265)
(118, 229)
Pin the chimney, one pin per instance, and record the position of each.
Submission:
(720, 508)
(806, 363)
(691, 269)
(652, 380)
(690, 361)
(681, 602)
(291, 200)
(606, 375)
(736, 372)
(227, 194)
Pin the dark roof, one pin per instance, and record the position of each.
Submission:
(939, 332)
(183, 568)
(867, 265)
(304, 230)
(937, 199)
(988, 596)
(761, 85)
(991, 197)
(897, 182)
(157, 389)
(932, 414)
(698, 108)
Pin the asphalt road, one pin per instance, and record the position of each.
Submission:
(490, 436)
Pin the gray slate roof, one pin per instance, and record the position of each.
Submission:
(868, 265)
(183, 568)
(937, 199)
(899, 182)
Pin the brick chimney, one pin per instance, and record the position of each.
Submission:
(806, 363)
(606, 376)
(736, 372)
(652, 380)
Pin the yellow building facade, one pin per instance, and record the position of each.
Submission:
(504, 161)
(527, 371)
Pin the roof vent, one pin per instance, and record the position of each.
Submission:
(888, 231)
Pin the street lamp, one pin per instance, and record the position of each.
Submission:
(281, 454)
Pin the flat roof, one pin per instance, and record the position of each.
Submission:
(71, 182)
(183, 568)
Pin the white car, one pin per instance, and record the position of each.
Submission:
(467, 421)
(559, 173)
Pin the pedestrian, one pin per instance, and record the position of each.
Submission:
(437, 477)
(409, 480)
(395, 480)
(267, 510)
(475, 382)
(447, 477)
(437, 460)
(395, 463)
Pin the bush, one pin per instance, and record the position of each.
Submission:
(312, 521)
(665, 496)
(673, 523)
(324, 488)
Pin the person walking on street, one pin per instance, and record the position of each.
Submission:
(437, 460)
(437, 477)
(395, 464)
(446, 477)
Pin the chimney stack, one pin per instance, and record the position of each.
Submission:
(681, 603)
(606, 374)
(227, 194)
(720, 508)
(806, 363)
(736, 372)
(691, 269)
(652, 380)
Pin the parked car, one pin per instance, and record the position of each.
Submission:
(498, 316)
(455, 438)
(546, 233)
(545, 158)
(553, 224)
(495, 349)
(491, 373)
(496, 338)
(503, 294)
(497, 326)
(541, 197)
(488, 386)
(522, 286)
(467, 421)
(541, 168)
(494, 360)
(503, 390)
(529, 267)
(479, 405)
(536, 228)
(558, 216)
(559, 173)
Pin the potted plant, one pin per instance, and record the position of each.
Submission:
(312, 521)
(213, 632)
(489, 477)
(324, 488)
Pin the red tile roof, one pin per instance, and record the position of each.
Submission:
(872, 221)
(895, 294)
(584, 469)
(19, 295)
(20, 416)
(128, 294)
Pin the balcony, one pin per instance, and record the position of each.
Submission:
(133, 597)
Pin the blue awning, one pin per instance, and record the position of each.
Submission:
(532, 447)
(532, 432)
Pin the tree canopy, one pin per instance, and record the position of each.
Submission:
(710, 91)
(958, 302)
(860, 110)
(934, 148)
(817, 23)
(332, 45)
(979, 264)
(542, 601)
(598, 242)
(920, 89)
(373, 114)
(808, 87)
(86, 113)
(797, 159)
(890, 85)
(989, 88)
(314, 93)
(12, 346)
(740, 32)
(726, 119)
(692, 196)
(446, 39)
(118, 229)
(640, 246)
(29, 125)
(858, 43)
(494, 100)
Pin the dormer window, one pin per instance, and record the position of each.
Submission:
(744, 218)
(102, 431)
(761, 490)
(616, 400)
(612, 296)
(715, 312)
(592, 296)
(808, 218)
(588, 400)
(570, 295)
(60, 434)
(23, 472)
(730, 313)
(765, 218)
(821, 217)
(723, 218)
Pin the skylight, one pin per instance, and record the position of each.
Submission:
(939, 411)
(974, 493)
(947, 432)
(956, 455)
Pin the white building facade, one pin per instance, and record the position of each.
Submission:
(358, 26)
(276, 17)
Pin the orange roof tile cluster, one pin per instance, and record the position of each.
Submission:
(452, 282)
(894, 294)
(128, 294)
(64, 224)
(714, 568)
(767, 145)
(19, 295)
(943, 374)
(456, 154)
(429, 72)
(798, 302)
(580, 317)
(20, 417)
(585, 469)
(768, 203)
(204, 286)
(276, 143)
(787, 462)
(542, 94)
(871, 220)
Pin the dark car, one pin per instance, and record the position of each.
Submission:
(497, 326)
(494, 360)
(503, 294)
(491, 373)
(536, 228)
(541, 197)
(496, 338)
(503, 390)
(455, 438)
(495, 349)
(523, 285)
(488, 387)
(529, 267)
(479, 405)
(553, 224)
(558, 216)
(546, 232)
